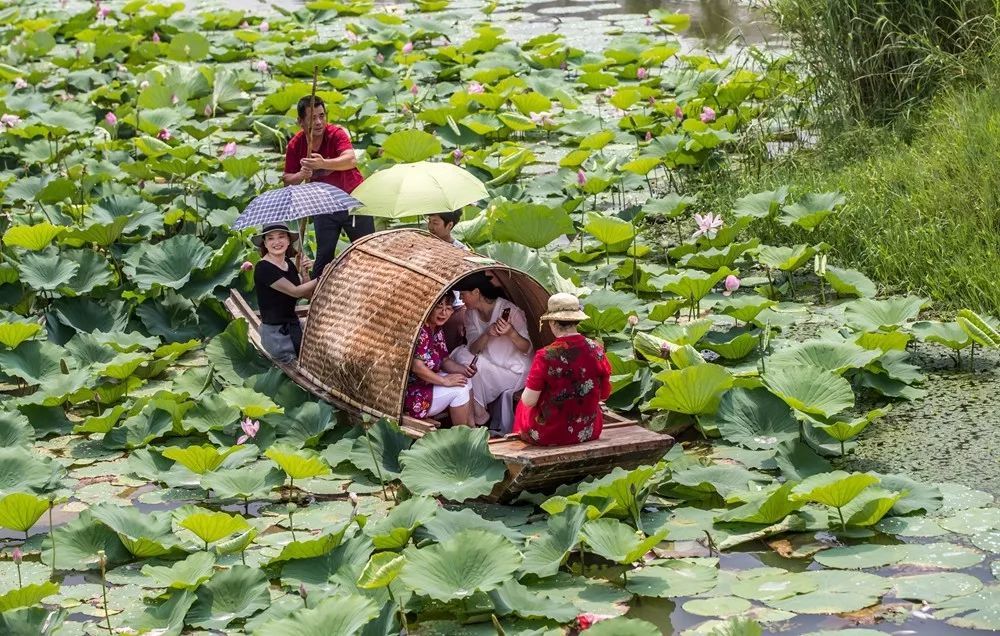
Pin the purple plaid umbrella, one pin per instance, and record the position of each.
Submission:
(295, 202)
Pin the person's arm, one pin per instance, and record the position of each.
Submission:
(346, 160)
(511, 328)
(534, 384)
(422, 371)
(295, 173)
(285, 286)
(605, 379)
(451, 366)
(295, 178)
(529, 397)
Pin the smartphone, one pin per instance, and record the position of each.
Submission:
(475, 359)
(505, 314)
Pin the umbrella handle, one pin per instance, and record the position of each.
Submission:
(302, 246)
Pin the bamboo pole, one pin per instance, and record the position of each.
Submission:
(309, 151)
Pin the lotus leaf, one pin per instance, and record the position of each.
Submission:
(454, 463)
(13, 334)
(199, 459)
(695, 390)
(235, 593)
(385, 441)
(243, 483)
(744, 308)
(144, 535)
(762, 205)
(947, 556)
(616, 541)
(544, 555)
(381, 570)
(988, 541)
(724, 480)
(341, 615)
(534, 226)
(253, 404)
(22, 470)
(836, 489)
(949, 334)
(168, 264)
(978, 329)
(672, 579)
(298, 464)
(620, 626)
(753, 418)
(691, 284)
(139, 430)
(786, 259)
(33, 238)
(78, 543)
(468, 562)
(735, 344)
(822, 602)
(187, 574)
(311, 548)
(862, 556)
(514, 598)
(717, 606)
(213, 526)
(410, 145)
(446, 523)
(866, 314)
(812, 209)
(936, 587)
(15, 430)
(609, 231)
(19, 511)
(47, 270)
(32, 621)
(980, 610)
(27, 596)
(837, 357)
(972, 521)
(810, 389)
(772, 587)
(394, 531)
(849, 282)
(769, 508)
(961, 497)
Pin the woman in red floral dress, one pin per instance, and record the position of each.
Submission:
(569, 379)
(436, 381)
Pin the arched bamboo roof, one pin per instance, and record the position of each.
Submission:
(368, 307)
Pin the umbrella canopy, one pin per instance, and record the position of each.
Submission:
(422, 187)
(295, 202)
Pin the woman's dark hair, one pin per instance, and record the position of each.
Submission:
(449, 217)
(303, 105)
(478, 281)
(566, 324)
(291, 252)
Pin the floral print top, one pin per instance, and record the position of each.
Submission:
(431, 350)
(573, 376)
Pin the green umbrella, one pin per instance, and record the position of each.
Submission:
(422, 187)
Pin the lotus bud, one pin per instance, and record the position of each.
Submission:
(111, 118)
(414, 89)
(731, 284)
(208, 110)
(174, 99)
(563, 65)
(244, 25)
(581, 177)
(641, 73)
(351, 36)
(599, 100)
(164, 134)
(678, 112)
(457, 154)
(229, 149)
(586, 620)
(707, 115)
(103, 11)
(261, 66)
(633, 321)
(246, 266)
(353, 497)
(155, 38)
(302, 590)
(407, 47)
(19, 83)
(264, 27)
(475, 88)
(121, 68)
(9, 121)
(609, 92)
(379, 58)
(16, 555)
(666, 349)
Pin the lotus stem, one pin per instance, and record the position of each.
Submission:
(842, 451)
(843, 524)
(104, 588)
(497, 626)
(52, 538)
(378, 469)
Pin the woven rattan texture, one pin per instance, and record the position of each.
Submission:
(367, 310)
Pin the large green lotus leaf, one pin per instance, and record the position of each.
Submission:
(786, 259)
(303, 425)
(139, 430)
(220, 271)
(620, 626)
(19, 510)
(949, 334)
(532, 225)
(393, 531)
(744, 308)
(341, 615)
(978, 329)
(235, 593)
(609, 230)
(822, 602)
(753, 418)
(672, 579)
(469, 562)
(849, 282)
(47, 270)
(15, 430)
(770, 508)
(454, 463)
(141, 214)
(835, 489)
(810, 211)
(253, 404)
(724, 606)
(32, 237)
(167, 617)
(90, 316)
(761, 205)
(144, 535)
(946, 556)
(615, 541)
(837, 357)
(27, 596)
(867, 314)
(101, 234)
(694, 390)
(771, 587)
(93, 272)
(410, 145)
(381, 570)
(514, 598)
(385, 442)
(691, 284)
(298, 464)
(810, 389)
(199, 459)
(169, 263)
(79, 541)
(972, 521)
(975, 611)
(210, 413)
(735, 344)
(858, 557)
(32, 621)
(671, 205)
(213, 526)
(185, 575)
(935, 587)
(724, 480)
(248, 482)
(625, 491)
(544, 556)
(910, 527)
(22, 470)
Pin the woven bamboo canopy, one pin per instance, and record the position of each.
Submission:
(367, 310)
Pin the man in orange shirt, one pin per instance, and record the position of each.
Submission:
(332, 161)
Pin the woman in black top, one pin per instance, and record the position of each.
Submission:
(278, 288)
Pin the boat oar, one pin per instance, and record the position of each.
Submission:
(309, 150)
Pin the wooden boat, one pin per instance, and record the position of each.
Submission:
(358, 344)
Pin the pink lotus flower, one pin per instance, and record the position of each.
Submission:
(475, 88)
(708, 225)
(164, 134)
(586, 620)
(641, 73)
(246, 266)
(666, 349)
(543, 118)
(103, 11)
(678, 112)
(19, 83)
(581, 177)
(414, 89)
(649, 21)
(17, 555)
(457, 154)
(244, 25)
(9, 121)
(609, 92)
(229, 149)
(707, 115)
(264, 27)
(156, 37)
(208, 110)
(111, 119)
(143, 85)
(633, 321)
(351, 37)
(261, 66)
(379, 58)
(250, 429)
(407, 47)
(174, 99)
(732, 284)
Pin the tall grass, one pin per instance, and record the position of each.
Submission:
(876, 60)
(921, 217)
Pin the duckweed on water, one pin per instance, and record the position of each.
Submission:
(144, 444)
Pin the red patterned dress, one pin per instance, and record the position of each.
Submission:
(432, 351)
(573, 375)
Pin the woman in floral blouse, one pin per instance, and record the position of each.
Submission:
(569, 379)
(436, 381)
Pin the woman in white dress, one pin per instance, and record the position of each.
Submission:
(498, 346)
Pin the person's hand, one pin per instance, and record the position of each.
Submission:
(454, 379)
(305, 173)
(500, 328)
(307, 263)
(468, 370)
(313, 162)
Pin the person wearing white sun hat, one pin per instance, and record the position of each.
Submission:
(278, 288)
(568, 380)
